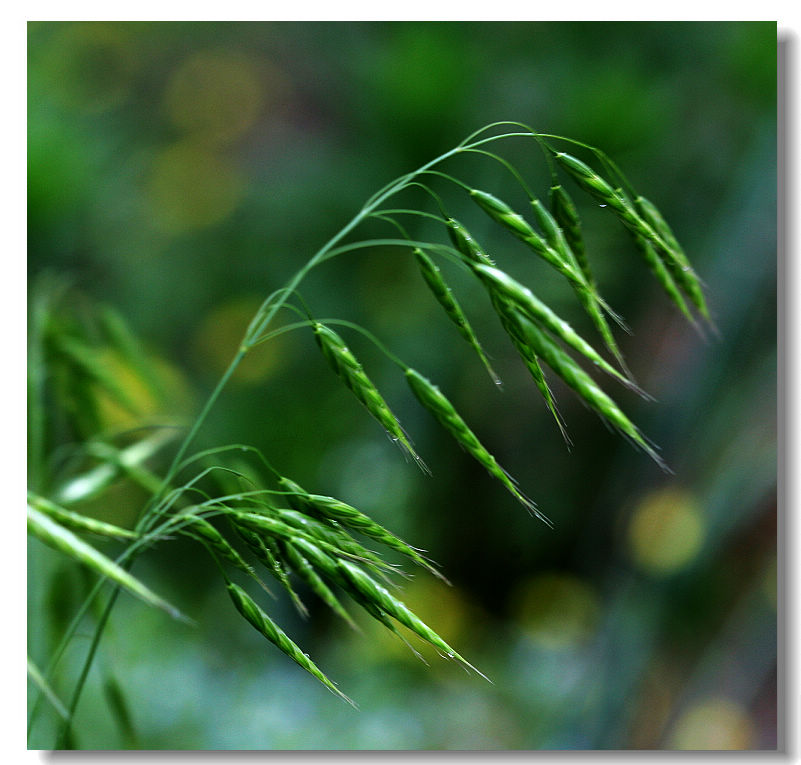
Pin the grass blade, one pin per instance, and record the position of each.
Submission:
(62, 539)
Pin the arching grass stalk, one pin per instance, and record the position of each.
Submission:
(311, 536)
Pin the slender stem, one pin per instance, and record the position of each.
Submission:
(404, 211)
(508, 166)
(76, 695)
(201, 418)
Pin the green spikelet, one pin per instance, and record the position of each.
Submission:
(271, 527)
(566, 215)
(662, 275)
(511, 291)
(268, 554)
(464, 242)
(597, 187)
(329, 567)
(501, 213)
(585, 291)
(510, 321)
(564, 366)
(201, 530)
(333, 534)
(373, 591)
(679, 264)
(306, 571)
(644, 220)
(331, 508)
(431, 398)
(351, 373)
(442, 292)
(338, 513)
(252, 612)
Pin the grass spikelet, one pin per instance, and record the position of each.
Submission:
(585, 291)
(444, 295)
(597, 187)
(306, 571)
(566, 215)
(511, 324)
(253, 613)
(431, 398)
(272, 527)
(267, 553)
(330, 530)
(379, 595)
(644, 220)
(77, 521)
(350, 371)
(54, 535)
(589, 180)
(564, 366)
(511, 291)
(329, 567)
(466, 244)
(501, 213)
(662, 275)
(334, 509)
(678, 264)
(202, 531)
(332, 533)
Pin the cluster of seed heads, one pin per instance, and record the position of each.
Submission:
(313, 540)
(538, 334)
(321, 541)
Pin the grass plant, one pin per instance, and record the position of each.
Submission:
(275, 525)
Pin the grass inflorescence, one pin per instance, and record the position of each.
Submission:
(340, 554)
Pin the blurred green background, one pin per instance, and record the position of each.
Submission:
(180, 172)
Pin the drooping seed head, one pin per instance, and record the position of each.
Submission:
(306, 571)
(511, 291)
(466, 244)
(253, 613)
(587, 389)
(379, 595)
(334, 509)
(510, 320)
(444, 295)
(566, 215)
(266, 551)
(202, 530)
(501, 213)
(430, 396)
(350, 371)
(593, 183)
(662, 275)
(333, 534)
(675, 258)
